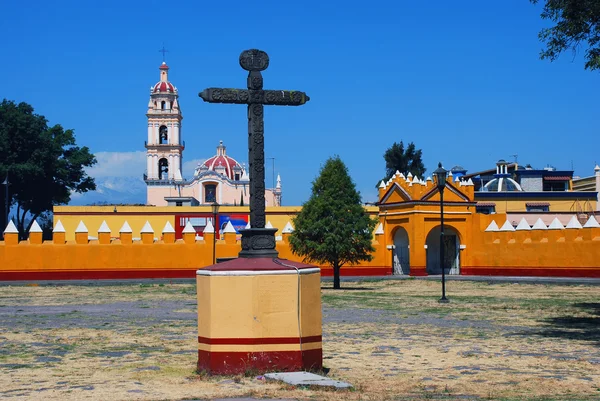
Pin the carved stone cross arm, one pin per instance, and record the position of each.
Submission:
(245, 96)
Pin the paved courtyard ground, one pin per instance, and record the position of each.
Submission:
(391, 339)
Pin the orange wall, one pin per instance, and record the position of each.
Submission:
(566, 252)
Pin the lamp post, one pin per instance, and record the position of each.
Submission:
(440, 175)
(215, 209)
(6, 205)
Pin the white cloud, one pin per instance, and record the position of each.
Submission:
(118, 164)
(189, 167)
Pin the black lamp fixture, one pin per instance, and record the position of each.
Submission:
(215, 210)
(440, 176)
(6, 202)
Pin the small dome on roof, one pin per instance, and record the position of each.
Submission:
(502, 184)
(223, 164)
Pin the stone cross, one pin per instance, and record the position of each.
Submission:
(257, 241)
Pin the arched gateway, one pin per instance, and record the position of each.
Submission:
(401, 250)
(451, 251)
(409, 212)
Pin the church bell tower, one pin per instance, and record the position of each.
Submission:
(164, 147)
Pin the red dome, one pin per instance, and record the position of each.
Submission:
(165, 87)
(221, 160)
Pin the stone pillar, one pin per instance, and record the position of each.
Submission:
(104, 234)
(58, 233)
(168, 234)
(147, 234)
(126, 234)
(11, 234)
(81, 233)
(35, 234)
(189, 234)
(271, 321)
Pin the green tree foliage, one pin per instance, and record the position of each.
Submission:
(577, 25)
(43, 163)
(333, 228)
(408, 160)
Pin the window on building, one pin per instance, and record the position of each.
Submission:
(556, 185)
(486, 209)
(210, 193)
(163, 105)
(163, 134)
(542, 207)
(237, 176)
(178, 203)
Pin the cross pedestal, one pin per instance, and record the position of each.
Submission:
(258, 312)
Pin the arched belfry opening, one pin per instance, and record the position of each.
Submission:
(163, 135)
(163, 105)
(163, 169)
(451, 250)
(401, 256)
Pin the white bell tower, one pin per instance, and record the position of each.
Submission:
(164, 147)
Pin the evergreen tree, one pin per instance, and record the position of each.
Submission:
(333, 227)
(577, 27)
(43, 163)
(403, 160)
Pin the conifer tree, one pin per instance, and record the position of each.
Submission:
(405, 160)
(333, 228)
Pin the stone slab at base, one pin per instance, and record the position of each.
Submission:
(257, 315)
(307, 379)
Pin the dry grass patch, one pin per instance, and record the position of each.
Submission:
(391, 339)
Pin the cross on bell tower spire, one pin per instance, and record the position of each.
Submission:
(163, 51)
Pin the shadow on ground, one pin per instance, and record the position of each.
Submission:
(583, 328)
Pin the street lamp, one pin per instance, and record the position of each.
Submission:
(6, 205)
(440, 175)
(215, 209)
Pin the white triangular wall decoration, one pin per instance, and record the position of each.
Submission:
(556, 225)
(573, 223)
(35, 228)
(591, 223)
(492, 227)
(523, 225)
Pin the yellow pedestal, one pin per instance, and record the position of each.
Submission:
(257, 315)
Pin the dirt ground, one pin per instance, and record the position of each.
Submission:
(391, 339)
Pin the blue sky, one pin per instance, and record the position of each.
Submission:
(462, 80)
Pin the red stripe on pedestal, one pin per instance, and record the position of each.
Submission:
(227, 363)
(260, 340)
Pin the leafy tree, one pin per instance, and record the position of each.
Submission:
(577, 24)
(333, 227)
(403, 160)
(43, 163)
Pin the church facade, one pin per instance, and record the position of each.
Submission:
(220, 179)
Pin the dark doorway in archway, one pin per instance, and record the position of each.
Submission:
(451, 251)
(401, 257)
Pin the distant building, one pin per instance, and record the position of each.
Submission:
(220, 179)
(591, 183)
(532, 193)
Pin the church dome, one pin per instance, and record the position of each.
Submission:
(223, 164)
(502, 181)
(164, 86)
(502, 184)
